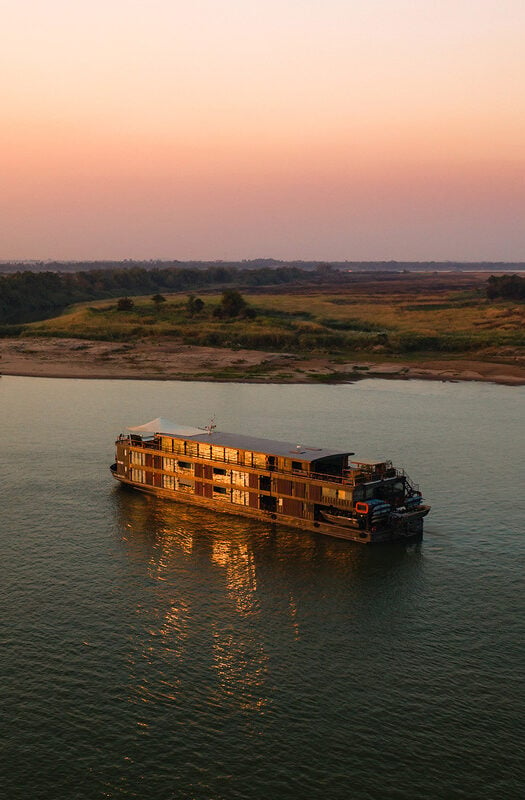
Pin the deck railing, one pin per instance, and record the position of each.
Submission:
(349, 477)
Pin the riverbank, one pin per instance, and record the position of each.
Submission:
(166, 360)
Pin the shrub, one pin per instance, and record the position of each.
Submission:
(158, 299)
(125, 304)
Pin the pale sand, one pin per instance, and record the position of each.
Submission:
(168, 360)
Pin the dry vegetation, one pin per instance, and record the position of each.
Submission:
(332, 333)
(354, 320)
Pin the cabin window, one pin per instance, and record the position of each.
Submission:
(138, 475)
(184, 486)
(232, 456)
(138, 458)
(168, 481)
(240, 497)
(259, 460)
(204, 450)
(217, 453)
(297, 465)
(187, 465)
(221, 475)
(267, 503)
(240, 478)
(332, 493)
(169, 464)
(265, 483)
(219, 490)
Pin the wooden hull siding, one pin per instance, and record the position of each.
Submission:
(278, 488)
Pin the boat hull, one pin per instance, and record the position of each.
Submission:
(386, 533)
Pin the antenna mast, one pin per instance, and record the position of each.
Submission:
(210, 427)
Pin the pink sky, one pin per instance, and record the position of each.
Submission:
(383, 129)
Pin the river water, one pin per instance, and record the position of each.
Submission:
(152, 650)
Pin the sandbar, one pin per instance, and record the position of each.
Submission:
(170, 360)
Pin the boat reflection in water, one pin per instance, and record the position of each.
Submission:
(221, 602)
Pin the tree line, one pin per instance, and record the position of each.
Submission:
(28, 296)
(508, 287)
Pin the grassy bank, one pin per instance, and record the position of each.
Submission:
(342, 324)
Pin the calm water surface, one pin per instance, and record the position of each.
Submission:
(152, 650)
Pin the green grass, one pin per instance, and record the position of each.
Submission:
(378, 325)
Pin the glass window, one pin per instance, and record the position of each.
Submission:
(259, 460)
(240, 478)
(231, 455)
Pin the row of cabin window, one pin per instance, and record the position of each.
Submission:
(237, 496)
(200, 450)
(176, 465)
(233, 495)
(172, 482)
(173, 465)
(237, 478)
(169, 464)
(330, 493)
(217, 453)
(231, 476)
(168, 481)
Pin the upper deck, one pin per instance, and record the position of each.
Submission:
(217, 447)
(269, 447)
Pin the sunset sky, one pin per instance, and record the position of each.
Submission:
(314, 129)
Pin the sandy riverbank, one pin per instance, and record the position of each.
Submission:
(165, 360)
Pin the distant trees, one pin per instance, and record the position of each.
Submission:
(509, 287)
(27, 296)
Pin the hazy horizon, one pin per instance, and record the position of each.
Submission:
(331, 131)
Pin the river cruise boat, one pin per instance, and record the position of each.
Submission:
(312, 488)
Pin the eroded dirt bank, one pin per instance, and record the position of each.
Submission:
(165, 360)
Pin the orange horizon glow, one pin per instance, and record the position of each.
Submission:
(298, 130)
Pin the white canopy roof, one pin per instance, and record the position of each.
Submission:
(163, 425)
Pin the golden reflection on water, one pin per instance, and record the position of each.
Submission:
(210, 578)
(242, 668)
(239, 571)
(162, 535)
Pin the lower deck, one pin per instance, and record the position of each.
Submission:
(411, 529)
